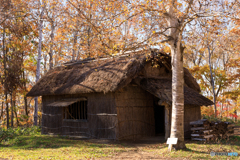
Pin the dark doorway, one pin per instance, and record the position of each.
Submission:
(159, 114)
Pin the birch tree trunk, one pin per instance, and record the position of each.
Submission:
(51, 45)
(177, 123)
(38, 64)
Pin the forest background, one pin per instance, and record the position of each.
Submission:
(36, 36)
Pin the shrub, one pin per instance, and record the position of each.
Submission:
(212, 118)
(12, 133)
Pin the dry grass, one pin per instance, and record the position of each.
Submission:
(47, 147)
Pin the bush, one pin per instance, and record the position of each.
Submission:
(12, 133)
(213, 119)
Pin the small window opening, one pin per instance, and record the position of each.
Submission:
(76, 111)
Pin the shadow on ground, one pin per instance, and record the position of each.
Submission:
(31, 142)
(46, 141)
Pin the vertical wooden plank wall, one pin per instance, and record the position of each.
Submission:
(51, 117)
(101, 117)
(135, 113)
(191, 113)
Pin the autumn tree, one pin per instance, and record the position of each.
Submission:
(210, 48)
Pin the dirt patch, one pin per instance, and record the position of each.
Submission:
(146, 148)
(135, 155)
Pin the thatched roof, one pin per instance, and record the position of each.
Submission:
(102, 75)
(162, 88)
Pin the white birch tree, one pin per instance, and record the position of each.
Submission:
(41, 11)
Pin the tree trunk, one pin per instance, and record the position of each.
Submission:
(15, 109)
(25, 98)
(88, 42)
(89, 34)
(11, 111)
(38, 64)
(5, 75)
(212, 81)
(177, 126)
(7, 109)
(51, 46)
(45, 64)
(177, 123)
(222, 111)
(1, 112)
(235, 113)
(74, 44)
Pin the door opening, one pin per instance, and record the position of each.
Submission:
(159, 113)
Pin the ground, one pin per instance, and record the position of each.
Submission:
(56, 147)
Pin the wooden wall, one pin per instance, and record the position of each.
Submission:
(135, 113)
(126, 114)
(51, 117)
(191, 113)
(101, 121)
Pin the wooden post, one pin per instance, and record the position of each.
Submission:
(167, 118)
(167, 121)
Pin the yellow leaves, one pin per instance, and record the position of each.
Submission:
(207, 111)
(39, 113)
(202, 50)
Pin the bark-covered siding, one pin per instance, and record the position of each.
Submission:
(135, 113)
(101, 121)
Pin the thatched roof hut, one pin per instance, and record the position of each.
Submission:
(149, 71)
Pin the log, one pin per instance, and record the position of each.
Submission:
(199, 122)
(204, 130)
(208, 136)
(207, 131)
(199, 139)
(230, 125)
(197, 128)
(195, 135)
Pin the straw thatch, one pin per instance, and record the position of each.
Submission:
(162, 88)
(102, 75)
